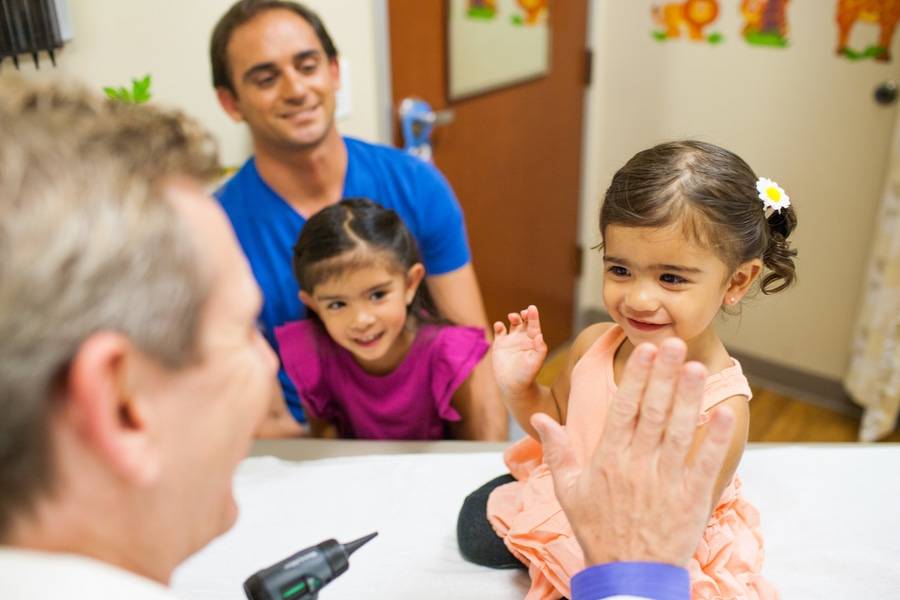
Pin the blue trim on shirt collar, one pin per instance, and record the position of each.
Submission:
(657, 581)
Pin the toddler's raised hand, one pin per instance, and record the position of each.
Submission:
(518, 354)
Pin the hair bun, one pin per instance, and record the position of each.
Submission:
(782, 222)
(779, 260)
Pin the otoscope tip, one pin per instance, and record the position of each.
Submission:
(351, 547)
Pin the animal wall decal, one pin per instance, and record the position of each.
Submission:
(765, 22)
(883, 13)
(482, 9)
(688, 16)
(533, 9)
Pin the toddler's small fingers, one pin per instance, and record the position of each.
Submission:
(514, 320)
(534, 322)
(499, 328)
(539, 343)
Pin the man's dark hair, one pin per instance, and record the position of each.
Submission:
(245, 10)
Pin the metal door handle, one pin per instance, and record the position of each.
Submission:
(412, 107)
(441, 117)
(416, 122)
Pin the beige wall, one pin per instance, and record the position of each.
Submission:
(116, 40)
(800, 116)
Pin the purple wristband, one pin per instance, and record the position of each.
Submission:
(656, 581)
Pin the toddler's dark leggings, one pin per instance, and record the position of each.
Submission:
(477, 540)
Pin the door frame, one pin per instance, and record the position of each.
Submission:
(382, 49)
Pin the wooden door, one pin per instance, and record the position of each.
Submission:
(513, 156)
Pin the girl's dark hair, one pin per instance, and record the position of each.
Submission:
(712, 192)
(357, 233)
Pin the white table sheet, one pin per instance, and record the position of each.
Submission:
(830, 514)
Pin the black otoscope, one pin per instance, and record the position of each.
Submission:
(301, 575)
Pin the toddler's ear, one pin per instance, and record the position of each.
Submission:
(741, 280)
(308, 301)
(414, 277)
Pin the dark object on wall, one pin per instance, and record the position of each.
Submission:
(31, 27)
(886, 93)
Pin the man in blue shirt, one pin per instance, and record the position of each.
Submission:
(275, 68)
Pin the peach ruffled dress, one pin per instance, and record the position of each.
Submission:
(527, 516)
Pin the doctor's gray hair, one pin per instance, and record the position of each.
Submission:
(89, 242)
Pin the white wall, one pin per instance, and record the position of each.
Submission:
(801, 116)
(117, 40)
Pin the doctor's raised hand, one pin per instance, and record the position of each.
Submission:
(645, 494)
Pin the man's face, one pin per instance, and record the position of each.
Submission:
(209, 411)
(284, 83)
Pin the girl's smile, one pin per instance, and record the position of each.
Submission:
(369, 340)
(645, 326)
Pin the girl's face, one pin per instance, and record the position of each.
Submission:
(658, 283)
(365, 312)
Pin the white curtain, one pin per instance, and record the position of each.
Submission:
(873, 380)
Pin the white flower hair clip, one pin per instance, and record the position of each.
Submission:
(773, 196)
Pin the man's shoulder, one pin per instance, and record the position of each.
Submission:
(363, 153)
(231, 192)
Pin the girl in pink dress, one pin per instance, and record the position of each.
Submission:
(374, 360)
(688, 230)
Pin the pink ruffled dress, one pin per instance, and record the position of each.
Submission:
(412, 402)
(526, 514)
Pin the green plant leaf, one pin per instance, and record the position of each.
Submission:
(139, 92)
(140, 89)
(141, 85)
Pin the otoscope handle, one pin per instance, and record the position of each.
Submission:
(301, 575)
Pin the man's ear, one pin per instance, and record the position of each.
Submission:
(741, 280)
(309, 301)
(334, 65)
(414, 277)
(229, 103)
(113, 420)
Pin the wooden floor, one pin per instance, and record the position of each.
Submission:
(773, 417)
(778, 418)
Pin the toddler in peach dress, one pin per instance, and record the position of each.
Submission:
(688, 229)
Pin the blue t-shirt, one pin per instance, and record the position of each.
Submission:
(267, 227)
